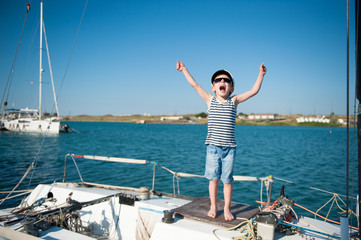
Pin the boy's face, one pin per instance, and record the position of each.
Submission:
(222, 88)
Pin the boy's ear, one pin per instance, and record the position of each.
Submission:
(213, 89)
(232, 89)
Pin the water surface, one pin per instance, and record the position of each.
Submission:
(307, 156)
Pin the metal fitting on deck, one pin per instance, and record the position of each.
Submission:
(144, 193)
(168, 216)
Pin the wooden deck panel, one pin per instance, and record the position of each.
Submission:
(198, 209)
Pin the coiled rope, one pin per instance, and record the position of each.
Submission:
(246, 228)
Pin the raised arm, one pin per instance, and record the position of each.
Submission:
(204, 95)
(255, 89)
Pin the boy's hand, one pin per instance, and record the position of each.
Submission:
(262, 69)
(180, 66)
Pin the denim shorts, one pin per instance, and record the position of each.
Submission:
(219, 163)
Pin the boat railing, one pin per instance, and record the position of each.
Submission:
(266, 181)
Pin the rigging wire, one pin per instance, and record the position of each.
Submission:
(358, 95)
(347, 107)
(57, 96)
(72, 51)
(35, 160)
(51, 73)
(12, 69)
(354, 147)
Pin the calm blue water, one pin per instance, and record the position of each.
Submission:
(308, 156)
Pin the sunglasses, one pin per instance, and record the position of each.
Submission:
(226, 80)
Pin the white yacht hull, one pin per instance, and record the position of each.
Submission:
(31, 125)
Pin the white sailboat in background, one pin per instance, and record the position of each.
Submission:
(30, 120)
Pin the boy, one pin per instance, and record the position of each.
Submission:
(221, 145)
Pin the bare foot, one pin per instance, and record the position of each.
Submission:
(228, 216)
(212, 213)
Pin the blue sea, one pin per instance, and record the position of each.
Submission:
(306, 156)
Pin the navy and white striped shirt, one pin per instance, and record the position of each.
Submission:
(221, 123)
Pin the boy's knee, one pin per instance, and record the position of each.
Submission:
(213, 182)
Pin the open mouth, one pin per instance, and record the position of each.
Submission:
(222, 88)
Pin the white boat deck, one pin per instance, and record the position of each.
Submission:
(143, 220)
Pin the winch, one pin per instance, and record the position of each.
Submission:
(267, 221)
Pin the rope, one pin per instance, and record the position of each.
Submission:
(176, 175)
(247, 228)
(26, 173)
(268, 184)
(18, 195)
(17, 191)
(322, 216)
(334, 200)
(153, 184)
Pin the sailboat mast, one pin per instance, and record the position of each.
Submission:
(358, 95)
(41, 53)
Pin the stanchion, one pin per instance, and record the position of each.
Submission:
(344, 227)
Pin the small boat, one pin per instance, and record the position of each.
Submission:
(84, 210)
(31, 120)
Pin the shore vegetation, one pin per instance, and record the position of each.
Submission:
(201, 118)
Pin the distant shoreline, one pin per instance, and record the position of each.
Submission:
(283, 120)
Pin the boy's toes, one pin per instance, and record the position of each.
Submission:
(228, 216)
(212, 213)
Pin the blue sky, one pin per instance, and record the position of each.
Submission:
(124, 61)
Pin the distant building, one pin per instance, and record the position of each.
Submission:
(171, 118)
(320, 119)
(264, 117)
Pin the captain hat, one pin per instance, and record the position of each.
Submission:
(222, 72)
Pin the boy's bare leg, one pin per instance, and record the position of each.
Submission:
(227, 191)
(213, 191)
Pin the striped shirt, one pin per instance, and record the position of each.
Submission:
(221, 123)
